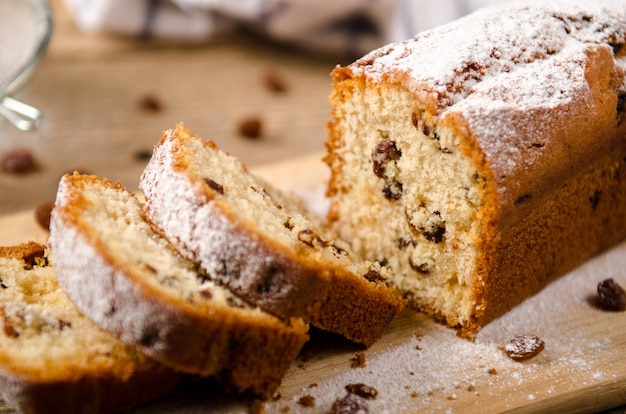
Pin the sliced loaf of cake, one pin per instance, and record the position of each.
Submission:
(132, 283)
(484, 158)
(54, 359)
(261, 242)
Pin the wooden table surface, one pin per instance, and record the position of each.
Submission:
(91, 90)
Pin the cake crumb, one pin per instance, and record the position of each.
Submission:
(307, 401)
(358, 360)
(362, 390)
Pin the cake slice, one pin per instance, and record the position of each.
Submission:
(54, 358)
(260, 242)
(132, 283)
(482, 159)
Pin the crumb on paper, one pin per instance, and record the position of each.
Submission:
(307, 401)
(358, 360)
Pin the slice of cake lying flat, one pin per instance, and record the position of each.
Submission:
(132, 283)
(482, 159)
(260, 242)
(52, 358)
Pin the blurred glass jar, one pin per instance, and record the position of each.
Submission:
(25, 30)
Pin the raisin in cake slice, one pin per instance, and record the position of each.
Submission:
(132, 283)
(52, 358)
(261, 242)
(494, 149)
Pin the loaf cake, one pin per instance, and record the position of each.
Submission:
(261, 242)
(52, 358)
(132, 283)
(483, 158)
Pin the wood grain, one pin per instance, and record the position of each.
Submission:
(420, 366)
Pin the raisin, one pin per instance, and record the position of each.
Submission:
(373, 276)
(611, 296)
(421, 268)
(42, 215)
(620, 109)
(385, 151)
(251, 127)
(523, 347)
(214, 186)
(415, 120)
(595, 199)
(269, 281)
(434, 229)
(350, 404)
(150, 103)
(149, 336)
(310, 238)
(18, 161)
(234, 303)
(362, 390)
(274, 81)
(142, 155)
(522, 199)
(393, 190)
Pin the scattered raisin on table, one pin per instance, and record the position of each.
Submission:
(523, 347)
(250, 127)
(42, 215)
(611, 296)
(350, 404)
(18, 161)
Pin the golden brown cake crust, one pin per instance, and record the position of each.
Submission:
(122, 381)
(542, 119)
(192, 212)
(189, 331)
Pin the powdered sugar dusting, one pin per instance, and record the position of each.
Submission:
(509, 88)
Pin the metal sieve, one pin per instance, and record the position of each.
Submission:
(25, 30)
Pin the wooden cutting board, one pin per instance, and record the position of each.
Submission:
(420, 366)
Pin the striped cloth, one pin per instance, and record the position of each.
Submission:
(334, 26)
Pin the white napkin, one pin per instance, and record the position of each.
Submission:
(333, 26)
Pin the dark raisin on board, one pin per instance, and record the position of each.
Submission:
(611, 296)
(274, 81)
(250, 127)
(350, 404)
(19, 161)
(150, 102)
(42, 215)
(523, 347)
